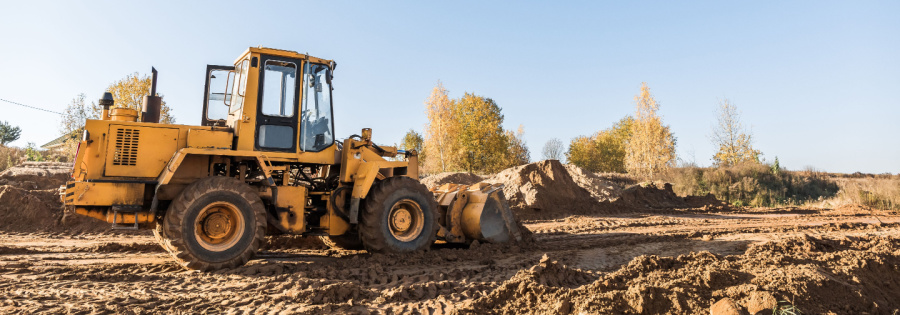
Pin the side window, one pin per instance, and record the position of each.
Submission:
(219, 81)
(279, 88)
(316, 125)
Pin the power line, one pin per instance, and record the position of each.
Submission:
(32, 107)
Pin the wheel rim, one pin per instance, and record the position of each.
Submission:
(218, 226)
(406, 220)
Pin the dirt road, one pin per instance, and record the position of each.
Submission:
(670, 262)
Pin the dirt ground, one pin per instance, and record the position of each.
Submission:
(606, 249)
(680, 262)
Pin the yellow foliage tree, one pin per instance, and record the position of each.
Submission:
(129, 92)
(466, 134)
(439, 132)
(651, 147)
(517, 149)
(582, 153)
(735, 144)
(604, 151)
(481, 143)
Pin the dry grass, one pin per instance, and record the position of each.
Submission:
(752, 184)
(876, 191)
(10, 156)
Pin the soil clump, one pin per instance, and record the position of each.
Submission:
(850, 275)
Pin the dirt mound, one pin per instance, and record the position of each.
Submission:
(29, 200)
(600, 189)
(850, 275)
(46, 169)
(544, 190)
(650, 196)
(40, 210)
(436, 180)
(36, 175)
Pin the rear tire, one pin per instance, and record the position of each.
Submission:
(216, 223)
(398, 216)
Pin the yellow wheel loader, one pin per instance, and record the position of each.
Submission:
(265, 160)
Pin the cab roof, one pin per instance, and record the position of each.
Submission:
(282, 53)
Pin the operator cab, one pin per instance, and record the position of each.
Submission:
(281, 99)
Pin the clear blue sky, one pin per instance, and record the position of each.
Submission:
(818, 81)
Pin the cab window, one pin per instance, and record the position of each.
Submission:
(316, 126)
(279, 90)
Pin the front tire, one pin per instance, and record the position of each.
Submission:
(398, 215)
(216, 223)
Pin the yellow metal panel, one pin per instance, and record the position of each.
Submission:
(292, 198)
(204, 139)
(104, 194)
(331, 221)
(138, 151)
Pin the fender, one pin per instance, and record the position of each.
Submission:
(362, 166)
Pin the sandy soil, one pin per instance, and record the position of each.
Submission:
(678, 262)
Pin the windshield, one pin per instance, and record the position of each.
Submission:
(316, 121)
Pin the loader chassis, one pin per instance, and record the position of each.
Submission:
(264, 160)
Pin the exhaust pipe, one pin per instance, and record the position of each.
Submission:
(106, 102)
(152, 102)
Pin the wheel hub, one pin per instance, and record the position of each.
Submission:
(406, 220)
(401, 220)
(219, 226)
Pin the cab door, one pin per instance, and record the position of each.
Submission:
(217, 94)
(276, 123)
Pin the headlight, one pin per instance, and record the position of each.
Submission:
(86, 136)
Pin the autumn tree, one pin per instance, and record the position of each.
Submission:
(73, 120)
(553, 150)
(466, 134)
(439, 133)
(129, 92)
(8, 133)
(413, 141)
(604, 151)
(610, 145)
(517, 149)
(734, 142)
(582, 153)
(481, 144)
(651, 147)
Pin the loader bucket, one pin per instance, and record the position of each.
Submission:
(478, 212)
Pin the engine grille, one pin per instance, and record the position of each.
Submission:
(126, 147)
